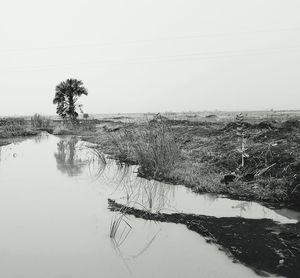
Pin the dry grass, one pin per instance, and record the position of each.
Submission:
(198, 154)
(153, 146)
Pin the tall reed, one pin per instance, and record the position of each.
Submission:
(156, 149)
(153, 145)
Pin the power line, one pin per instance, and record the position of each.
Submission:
(117, 43)
(158, 59)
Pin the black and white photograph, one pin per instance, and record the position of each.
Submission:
(149, 139)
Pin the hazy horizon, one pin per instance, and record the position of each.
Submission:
(151, 56)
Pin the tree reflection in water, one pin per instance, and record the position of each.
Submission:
(68, 162)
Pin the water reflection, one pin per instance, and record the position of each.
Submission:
(156, 197)
(128, 255)
(76, 158)
(67, 161)
(52, 197)
(243, 207)
(40, 137)
(291, 214)
(144, 194)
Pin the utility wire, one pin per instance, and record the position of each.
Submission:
(116, 43)
(162, 59)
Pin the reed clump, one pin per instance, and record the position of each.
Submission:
(153, 146)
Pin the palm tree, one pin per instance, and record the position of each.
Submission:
(66, 96)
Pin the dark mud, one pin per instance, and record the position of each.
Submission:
(262, 244)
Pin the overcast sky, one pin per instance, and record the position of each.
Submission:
(151, 55)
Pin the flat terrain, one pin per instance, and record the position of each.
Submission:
(198, 150)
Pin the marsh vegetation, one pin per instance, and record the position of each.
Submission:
(201, 153)
(193, 152)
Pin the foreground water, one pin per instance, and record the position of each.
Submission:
(55, 221)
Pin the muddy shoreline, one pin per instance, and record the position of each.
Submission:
(261, 244)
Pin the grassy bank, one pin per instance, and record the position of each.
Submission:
(203, 154)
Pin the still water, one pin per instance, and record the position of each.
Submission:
(54, 220)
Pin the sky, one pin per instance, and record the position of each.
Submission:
(151, 55)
